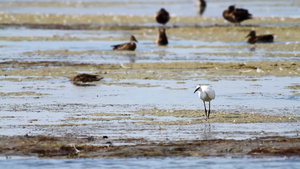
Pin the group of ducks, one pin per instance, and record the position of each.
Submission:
(206, 93)
(232, 14)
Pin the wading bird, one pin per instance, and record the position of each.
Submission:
(201, 5)
(236, 15)
(206, 94)
(126, 46)
(162, 16)
(162, 38)
(261, 38)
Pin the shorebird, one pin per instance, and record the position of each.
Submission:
(236, 15)
(126, 46)
(162, 38)
(206, 94)
(261, 38)
(162, 16)
(80, 79)
(201, 5)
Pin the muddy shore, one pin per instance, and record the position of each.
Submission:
(68, 147)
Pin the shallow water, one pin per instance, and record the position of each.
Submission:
(186, 162)
(286, 8)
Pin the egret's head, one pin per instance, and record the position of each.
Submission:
(198, 87)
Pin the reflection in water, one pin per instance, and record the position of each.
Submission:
(162, 54)
(252, 49)
(206, 132)
(131, 57)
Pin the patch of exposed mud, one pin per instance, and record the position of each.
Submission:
(220, 117)
(172, 71)
(132, 19)
(93, 147)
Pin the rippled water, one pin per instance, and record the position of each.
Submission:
(175, 7)
(163, 163)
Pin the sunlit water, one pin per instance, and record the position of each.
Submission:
(163, 163)
(287, 8)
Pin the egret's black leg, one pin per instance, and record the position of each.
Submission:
(208, 109)
(205, 110)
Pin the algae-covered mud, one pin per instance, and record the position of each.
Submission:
(145, 106)
(70, 147)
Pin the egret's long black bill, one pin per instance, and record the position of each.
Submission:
(196, 89)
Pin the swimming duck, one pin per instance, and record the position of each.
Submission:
(236, 15)
(162, 38)
(126, 46)
(162, 16)
(261, 38)
(201, 5)
(84, 77)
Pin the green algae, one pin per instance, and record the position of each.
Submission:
(196, 117)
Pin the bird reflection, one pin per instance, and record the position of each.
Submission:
(206, 132)
(131, 56)
(252, 49)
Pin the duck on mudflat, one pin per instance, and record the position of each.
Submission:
(162, 16)
(126, 46)
(261, 38)
(236, 15)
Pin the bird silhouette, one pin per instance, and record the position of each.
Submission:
(162, 16)
(201, 6)
(162, 38)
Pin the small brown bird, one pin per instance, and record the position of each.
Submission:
(162, 38)
(126, 46)
(162, 16)
(236, 15)
(201, 6)
(261, 38)
(84, 77)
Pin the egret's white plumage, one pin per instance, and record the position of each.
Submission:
(206, 94)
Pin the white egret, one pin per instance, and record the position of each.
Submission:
(206, 94)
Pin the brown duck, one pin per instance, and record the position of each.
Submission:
(84, 77)
(162, 16)
(201, 6)
(261, 38)
(236, 15)
(126, 46)
(162, 38)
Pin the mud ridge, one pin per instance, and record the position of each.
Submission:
(87, 147)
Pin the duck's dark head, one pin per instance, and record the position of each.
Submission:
(231, 8)
(251, 34)
(132, 38)
(162, 10)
